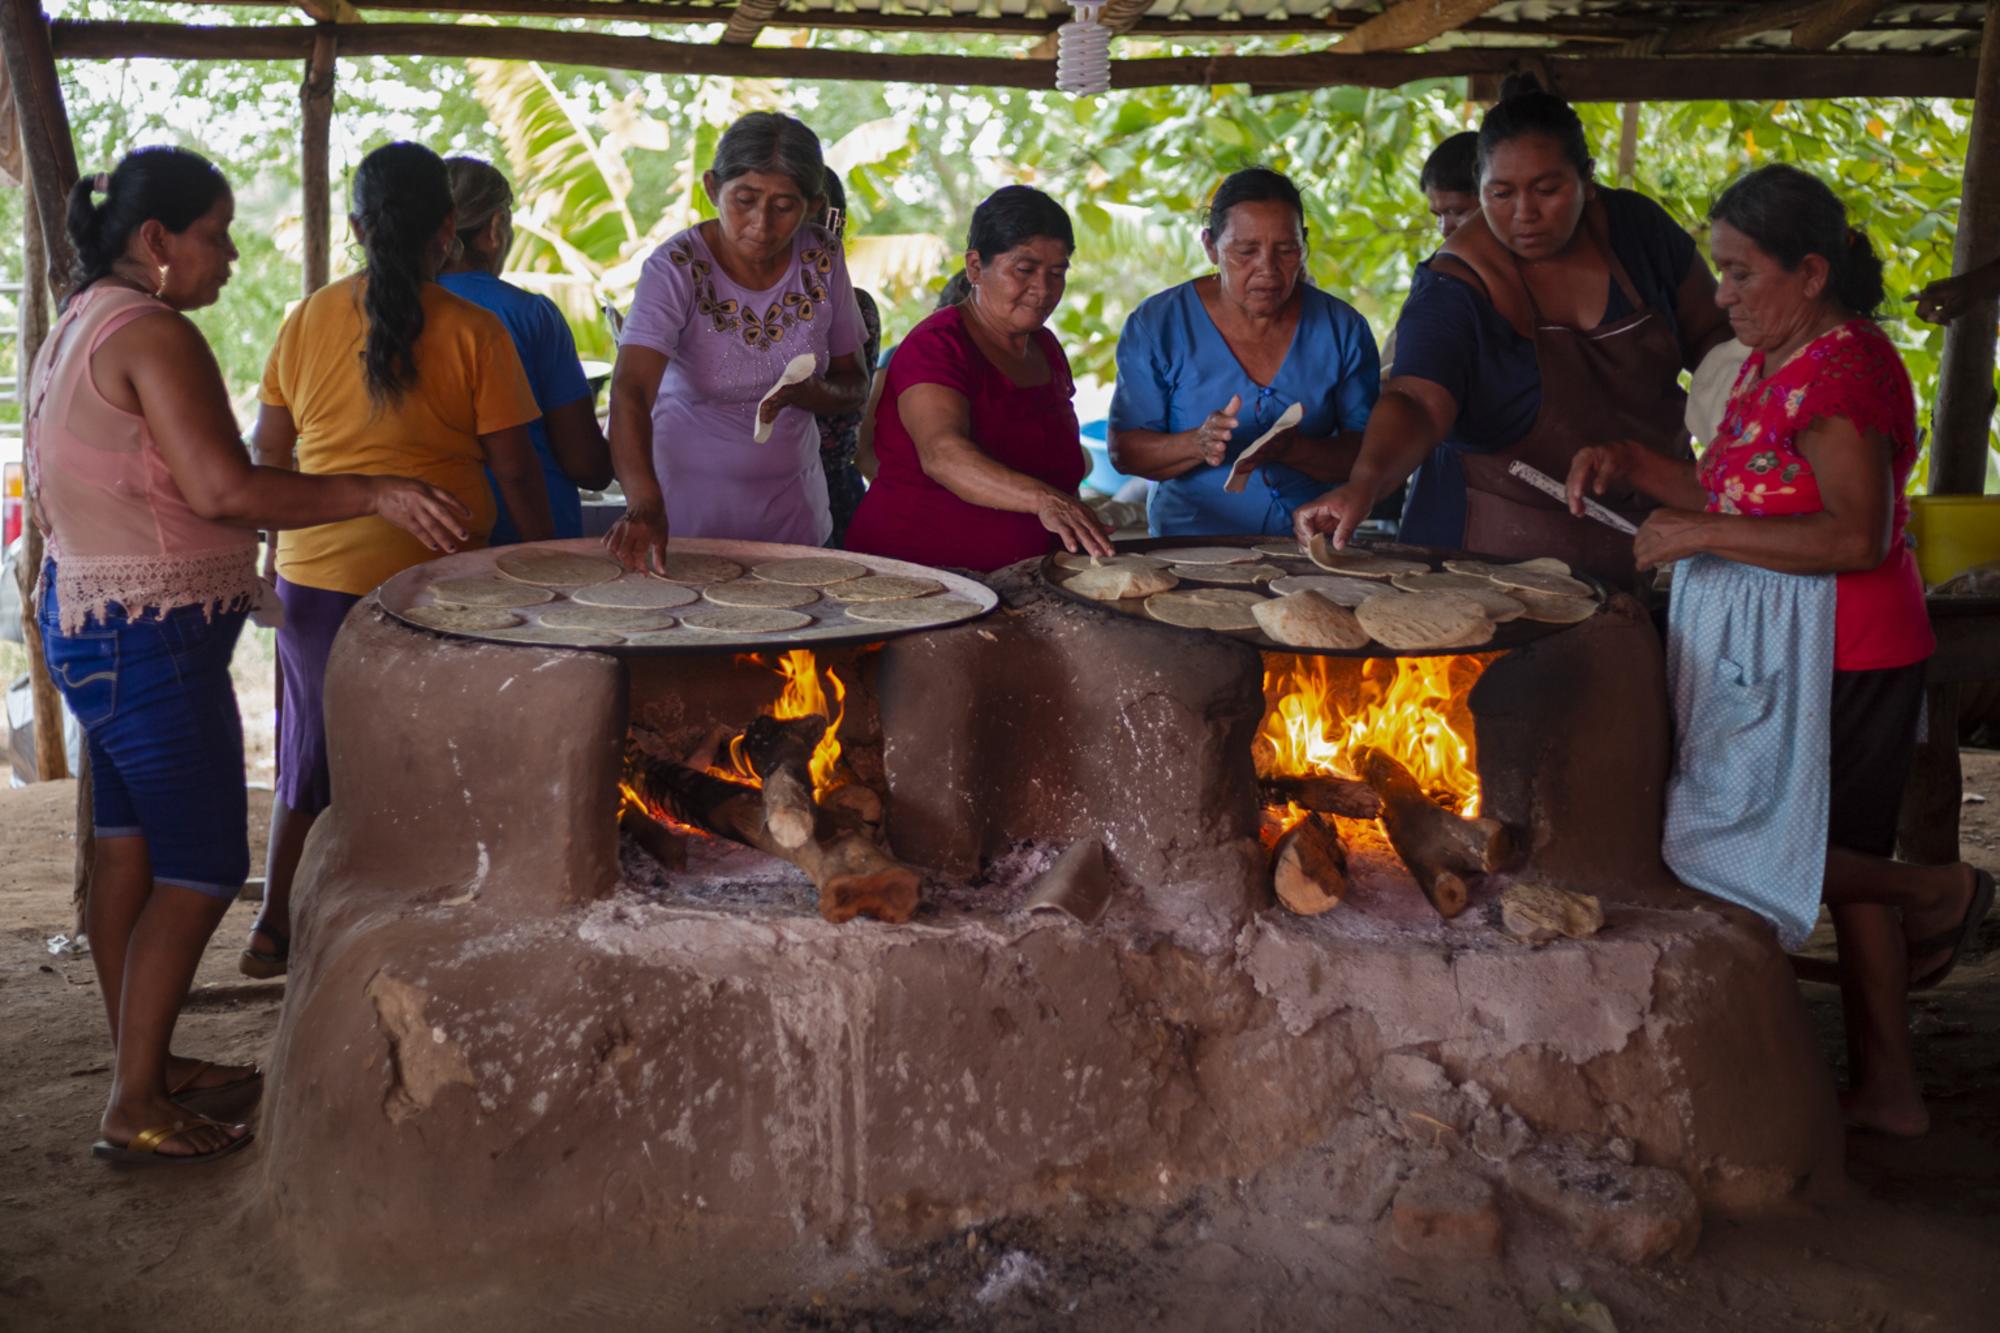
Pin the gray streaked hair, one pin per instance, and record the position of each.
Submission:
(774, 142)
(478, 192)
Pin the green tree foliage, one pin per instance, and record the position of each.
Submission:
(606, 163)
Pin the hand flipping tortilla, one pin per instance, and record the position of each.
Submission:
(1246, 462)
(797, 370)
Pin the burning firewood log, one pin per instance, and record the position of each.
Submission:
(1439, 847)
(654, 838)
(854, 875)
(780, 754)
(1309, 866)
(1323, 794)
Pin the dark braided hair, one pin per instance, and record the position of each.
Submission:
(1524, 109)
(1789, 214)
(401, 196)
(171, 186)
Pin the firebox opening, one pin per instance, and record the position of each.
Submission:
(1356, 758)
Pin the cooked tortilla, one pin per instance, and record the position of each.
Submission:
(556, 569)
(636, 591)
(1308, 620)
(883, 588)
(461, 619)
(914, 611)
(744, 619)
(1417, 621)
(810, 571)
(484, 590)
(756, 592)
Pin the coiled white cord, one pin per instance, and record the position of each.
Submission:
(1083, 51)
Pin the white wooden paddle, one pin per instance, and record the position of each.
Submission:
(1246, 462)
(797, 370)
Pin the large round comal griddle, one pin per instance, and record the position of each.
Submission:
(831, 627)
(1512, 634)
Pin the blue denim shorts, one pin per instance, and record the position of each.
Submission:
(166, 742)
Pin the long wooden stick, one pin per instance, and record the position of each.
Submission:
(1325, 794)
(1439, 848)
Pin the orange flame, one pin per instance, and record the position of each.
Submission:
(631, 797)
(1411, 707)
(802, 697)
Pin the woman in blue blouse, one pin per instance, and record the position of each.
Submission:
(568, 441)
(1206, 367)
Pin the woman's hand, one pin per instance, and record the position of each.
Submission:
(792, 395)
(1948, 298)
(1601, 466)
(434, 517)
(1668, 535)
(639, 539)
(1340, 511)
(1071, 520)
(1210, 440)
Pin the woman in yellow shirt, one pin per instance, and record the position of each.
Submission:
(384, 371)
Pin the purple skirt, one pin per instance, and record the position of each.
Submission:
(312, 618)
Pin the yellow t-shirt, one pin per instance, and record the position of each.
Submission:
(469, 383)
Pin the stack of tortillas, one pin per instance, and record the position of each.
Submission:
(1543, 587)
(570, 598)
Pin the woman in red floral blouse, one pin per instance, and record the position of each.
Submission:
(1806, 477)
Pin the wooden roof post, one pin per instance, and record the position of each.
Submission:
(46, 147)
(1963, 421)
(316, 124)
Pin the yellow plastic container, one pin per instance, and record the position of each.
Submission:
(1954, 533)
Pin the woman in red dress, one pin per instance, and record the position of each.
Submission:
(1802, 492)
(979, 451)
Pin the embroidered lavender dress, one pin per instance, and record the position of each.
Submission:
(725, 347)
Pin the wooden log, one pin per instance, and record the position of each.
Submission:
(1309, 867)
(1410, 23)
(1322, 794)
(1556, 27)
(51, 755)
(780, 754)
(315, 191)
(854, 876)
(1962, 424)
(1833, 20)
(654, 838)
(46, 147)
(1438, 847)
(1582, 78)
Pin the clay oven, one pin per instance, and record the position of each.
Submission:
(511, 1026)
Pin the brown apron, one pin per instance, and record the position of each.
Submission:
(1618, 381)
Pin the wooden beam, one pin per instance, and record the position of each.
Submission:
(1582, 78)
(1832, 21)
(1962, 426)
(315, 190)
(1558, 28)
(1711, 34)
(747, 19)
(46, 147)
(1409, 23)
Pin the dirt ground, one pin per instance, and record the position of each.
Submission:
(1911, 1245)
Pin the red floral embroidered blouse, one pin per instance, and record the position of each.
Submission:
(1754, 467)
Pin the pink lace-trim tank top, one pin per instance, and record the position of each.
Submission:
(119, 530)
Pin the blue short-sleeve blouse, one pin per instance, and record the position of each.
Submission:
(1175, 367)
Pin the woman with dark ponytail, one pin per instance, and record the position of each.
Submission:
(141, 482)
(1560, 315)
(1796, 648)
(437, 390)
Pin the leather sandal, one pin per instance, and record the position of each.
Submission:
(143, 1148)
(1957, 938)
(262, 966)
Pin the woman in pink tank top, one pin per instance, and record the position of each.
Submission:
(140, 479)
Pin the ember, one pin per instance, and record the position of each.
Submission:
(1413, 708)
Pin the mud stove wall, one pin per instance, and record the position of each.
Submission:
(486, 1051)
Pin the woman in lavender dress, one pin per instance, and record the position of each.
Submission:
(721, 308)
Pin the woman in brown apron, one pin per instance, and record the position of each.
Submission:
(1558, 318)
